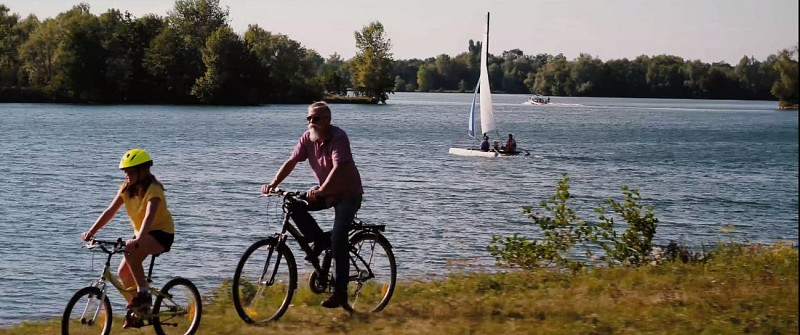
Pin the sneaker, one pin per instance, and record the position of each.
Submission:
(142, 301)
(336, 300)
(131, 321)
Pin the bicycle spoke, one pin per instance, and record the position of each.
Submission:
(178, 308)
(264, 282)
(372, 273)
(87, 314)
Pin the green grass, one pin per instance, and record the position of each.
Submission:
(742, 289)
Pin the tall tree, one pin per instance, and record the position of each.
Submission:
(37, 53)
(372, 65)
(81, 58)
(10, 40)
(785, 88)
(425, 77)
(227, 79)
(175, 56)
(286, 70)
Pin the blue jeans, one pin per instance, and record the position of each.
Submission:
(345, 210)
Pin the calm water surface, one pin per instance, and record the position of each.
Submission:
(700, 164)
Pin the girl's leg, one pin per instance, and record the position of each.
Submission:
(126, 277)
(135, 255)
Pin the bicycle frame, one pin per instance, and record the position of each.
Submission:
(287, 228)
(107, 276)
(262, 289)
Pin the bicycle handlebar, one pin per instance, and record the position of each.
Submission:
(110, 247)
(296, 196)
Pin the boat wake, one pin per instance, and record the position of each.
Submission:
(554, 104)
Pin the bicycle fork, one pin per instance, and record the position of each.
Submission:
(281, 240)
(100, 299)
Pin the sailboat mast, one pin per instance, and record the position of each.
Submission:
(487, 112)
(486, 48)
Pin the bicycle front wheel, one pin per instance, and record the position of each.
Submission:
(87, 313)
(264, 282)
(373, 272)
(177, 308)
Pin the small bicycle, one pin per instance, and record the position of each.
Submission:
(266, 276)
(176, 309)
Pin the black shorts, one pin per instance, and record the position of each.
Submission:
(163, 238)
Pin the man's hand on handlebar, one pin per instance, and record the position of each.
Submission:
(269, 188)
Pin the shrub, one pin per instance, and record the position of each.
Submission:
(635, 245)
(561, 230)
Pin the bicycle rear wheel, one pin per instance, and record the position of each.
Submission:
(178, 308)
(87, 314)
(373, 272)
(264, 282)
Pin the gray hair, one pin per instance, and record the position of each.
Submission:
(321, 106)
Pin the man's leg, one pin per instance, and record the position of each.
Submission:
(345, 212)
(305, 222)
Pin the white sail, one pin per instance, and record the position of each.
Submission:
(487, 112)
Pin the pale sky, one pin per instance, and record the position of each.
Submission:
(708, 30)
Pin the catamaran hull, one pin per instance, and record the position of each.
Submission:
(479, 153)
(538, 103)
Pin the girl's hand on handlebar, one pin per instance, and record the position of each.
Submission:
(86, 236)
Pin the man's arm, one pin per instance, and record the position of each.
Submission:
(340, 177)
(283, 172)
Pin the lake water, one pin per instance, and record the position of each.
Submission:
(700, 164)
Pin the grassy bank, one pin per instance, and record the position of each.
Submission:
(747, 289)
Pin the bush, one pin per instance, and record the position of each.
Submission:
(635, 245)
(561, 230)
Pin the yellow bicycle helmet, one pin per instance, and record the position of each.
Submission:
(134, 157)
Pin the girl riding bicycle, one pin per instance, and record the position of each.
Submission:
(143, 197)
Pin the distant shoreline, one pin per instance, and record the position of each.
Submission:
(340, 99)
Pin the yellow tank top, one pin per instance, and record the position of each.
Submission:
(137, 208)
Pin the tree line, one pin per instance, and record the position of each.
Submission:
(193, 56)
(190, 56)
(662, 76)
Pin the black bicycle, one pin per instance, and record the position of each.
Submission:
(266, 276)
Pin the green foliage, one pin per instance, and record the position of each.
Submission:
(785, 88)
(116, 58)
(333, 83)
(561, 231)
(372, 65)
(10, 39)
(227, 79)
(399, 84)
(635, 245)
(37, 53)
(286, 70)
(424, 78)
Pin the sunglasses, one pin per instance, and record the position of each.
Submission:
(314, 118)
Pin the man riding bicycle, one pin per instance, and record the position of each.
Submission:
(327, 149)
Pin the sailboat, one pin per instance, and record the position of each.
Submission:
(483, 93)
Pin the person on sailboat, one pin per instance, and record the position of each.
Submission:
(327, 149)
(511, 144)
(485, 143)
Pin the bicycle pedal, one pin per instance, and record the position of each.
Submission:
(132, 321)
